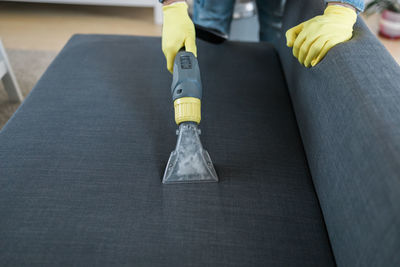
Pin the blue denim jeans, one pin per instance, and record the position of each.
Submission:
(217, 14)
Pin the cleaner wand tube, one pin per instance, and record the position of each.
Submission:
(186, 88)
(189, 162)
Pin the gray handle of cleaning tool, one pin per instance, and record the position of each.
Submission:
(186, 81)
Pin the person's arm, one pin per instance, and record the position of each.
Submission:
(178, 31)
(358, 5)
(312, 39)
(168, 2)
(341, 4)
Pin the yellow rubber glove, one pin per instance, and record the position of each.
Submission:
(312, 39)
(178, 32)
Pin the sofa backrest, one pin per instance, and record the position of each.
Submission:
(348, 112)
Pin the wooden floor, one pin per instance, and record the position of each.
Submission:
(33, 26)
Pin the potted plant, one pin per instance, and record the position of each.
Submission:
(389, 25)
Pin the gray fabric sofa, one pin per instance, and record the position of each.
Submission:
(309, 159)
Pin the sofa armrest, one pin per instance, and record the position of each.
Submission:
(348, 112)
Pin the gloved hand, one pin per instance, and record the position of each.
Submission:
(312, 39)
(178, 32)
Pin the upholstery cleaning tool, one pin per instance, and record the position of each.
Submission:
(189, 162)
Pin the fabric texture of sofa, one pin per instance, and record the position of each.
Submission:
(308, 159)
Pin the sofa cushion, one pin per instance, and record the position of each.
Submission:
(347, 108)
(82, 161)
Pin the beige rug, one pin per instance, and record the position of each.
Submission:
(28, 68)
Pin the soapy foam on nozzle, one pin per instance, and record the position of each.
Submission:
(189, 162)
